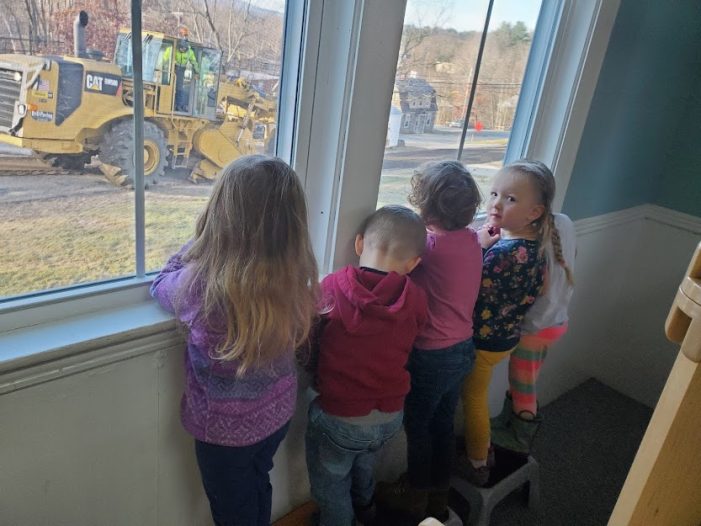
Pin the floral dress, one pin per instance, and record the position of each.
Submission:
(512, 278)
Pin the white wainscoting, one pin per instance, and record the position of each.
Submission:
(95, 439)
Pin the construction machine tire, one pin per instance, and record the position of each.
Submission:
(117, 151)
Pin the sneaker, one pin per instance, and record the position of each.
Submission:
(460, 450)
(402, 497)
(466, 471)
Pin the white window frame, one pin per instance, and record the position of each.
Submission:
(50, 308)
(346, 62)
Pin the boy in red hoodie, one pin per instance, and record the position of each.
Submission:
(374, 313)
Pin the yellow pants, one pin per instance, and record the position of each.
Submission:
(475, 399)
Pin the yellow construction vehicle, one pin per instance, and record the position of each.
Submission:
(71, 108)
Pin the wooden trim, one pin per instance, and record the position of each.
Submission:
(662, 486)
(299, 517)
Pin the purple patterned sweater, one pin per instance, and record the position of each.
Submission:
(217, 407)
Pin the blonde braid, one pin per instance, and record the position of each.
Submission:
(557, 251)
(544, 227)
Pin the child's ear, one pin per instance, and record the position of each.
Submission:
(536, 213)
(358, 245)
(411, 264)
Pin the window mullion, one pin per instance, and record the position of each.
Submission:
(139, 188)
(290, 80)
(475, 78)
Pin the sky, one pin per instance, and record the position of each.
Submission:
(462, 15)
(273, 5)
(467, 15)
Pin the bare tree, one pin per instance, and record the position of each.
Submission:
(428, 16)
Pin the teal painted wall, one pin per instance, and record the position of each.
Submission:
(680, 187)
(640, 143)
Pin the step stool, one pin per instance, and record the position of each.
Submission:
(453, 520)
(516, 471)
(385, 518)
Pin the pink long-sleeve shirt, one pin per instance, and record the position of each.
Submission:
(450, 273)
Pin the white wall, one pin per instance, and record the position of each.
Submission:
(105, 446)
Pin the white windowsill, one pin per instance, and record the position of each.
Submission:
(34, 345)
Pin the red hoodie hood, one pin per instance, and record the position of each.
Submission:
(360, 298)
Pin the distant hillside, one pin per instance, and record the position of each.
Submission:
(446, 59)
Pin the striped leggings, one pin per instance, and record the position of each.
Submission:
(524, 365)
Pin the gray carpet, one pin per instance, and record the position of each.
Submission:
(585, 447)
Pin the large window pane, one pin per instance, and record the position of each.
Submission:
(62, 222)
(438, 63)
(228, 104)
(211, 71)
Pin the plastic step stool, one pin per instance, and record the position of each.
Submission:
(388, 519)
(453, 520)
(510, 473)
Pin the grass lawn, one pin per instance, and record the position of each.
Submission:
(80, 239)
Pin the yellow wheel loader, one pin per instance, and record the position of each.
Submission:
(68, 109)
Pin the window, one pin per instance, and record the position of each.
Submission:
(339, 131)
(69, 212)
(442, 58)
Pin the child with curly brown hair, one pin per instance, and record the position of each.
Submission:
(447, 198)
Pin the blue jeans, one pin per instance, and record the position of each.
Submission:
(237, 480)
(429, 411)
(340, 460)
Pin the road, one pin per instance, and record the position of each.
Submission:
(480, 148)
(483, 149)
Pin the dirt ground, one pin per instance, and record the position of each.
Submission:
(18, 187)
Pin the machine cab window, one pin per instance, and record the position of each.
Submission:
(191, 70)
(156, 52)
(205, 100)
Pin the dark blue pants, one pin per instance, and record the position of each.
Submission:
(237, 480)
(429, 411)
(181, 92)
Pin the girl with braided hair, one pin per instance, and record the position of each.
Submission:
(543, 325)
(513, 273)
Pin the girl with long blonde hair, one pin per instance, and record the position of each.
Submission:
(544, 324)
(245, 290)
(513, 273)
